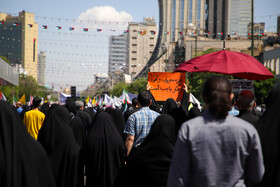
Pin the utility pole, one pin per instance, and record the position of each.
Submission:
(252, 28)
(196, 45)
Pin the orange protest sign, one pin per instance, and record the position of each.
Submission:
(166, 85)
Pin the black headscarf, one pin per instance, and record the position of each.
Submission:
(185, 102)
(269, 131)
(194, 112)
(169, 105)
(24, 161)
(105, 152)
(181, 114)
(154, 106)
(72, 108)
(90, 111)
(57, 138)
(80, 131)
(118, 118)
(45, 107)
(148, 164)
(85, 117)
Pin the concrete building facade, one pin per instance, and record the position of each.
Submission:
(19, 40)
(259, 28)
(141, 43)
(42, 60)
(8, 74)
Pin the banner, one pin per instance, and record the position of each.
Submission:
(63, 97)
(22, 99)
(166, 85)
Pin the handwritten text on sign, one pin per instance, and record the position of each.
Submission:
(166, 85)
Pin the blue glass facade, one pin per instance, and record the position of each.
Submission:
(182, 16)
(190, 11)
(198, 12)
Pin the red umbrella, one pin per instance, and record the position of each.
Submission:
(227, 62)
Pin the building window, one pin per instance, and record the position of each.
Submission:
(134, 38)
(134, 51)
(134, 59)
(134, 44)
(151, 45)
(151, 38)
(134, 30)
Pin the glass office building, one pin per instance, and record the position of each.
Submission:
(239, 14)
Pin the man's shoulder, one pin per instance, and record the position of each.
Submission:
(241, 124)
(35, 112)
(145, 110)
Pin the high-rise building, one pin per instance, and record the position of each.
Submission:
(217, 18)
(42, 68)
(19, 40)
(226, 17)
(182, 17)
(239, 16)
(141, 44)
(117, 56)
(177, 19)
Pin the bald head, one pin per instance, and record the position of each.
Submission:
(18, 104)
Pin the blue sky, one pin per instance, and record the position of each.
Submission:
(138, 9)
(73, 59)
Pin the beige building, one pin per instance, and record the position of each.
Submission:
(259, 28)
(141, 43)
(19, 40)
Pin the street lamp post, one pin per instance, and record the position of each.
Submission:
(196, 45)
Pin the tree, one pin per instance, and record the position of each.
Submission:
(9, 91)
(210, 50)
(118, 88)
(135, 87)
(27, 86)
(196, 81)
(5, 59)
(263, 87)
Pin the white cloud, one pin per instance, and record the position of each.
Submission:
(106, 16)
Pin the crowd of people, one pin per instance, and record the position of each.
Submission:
(229, 143)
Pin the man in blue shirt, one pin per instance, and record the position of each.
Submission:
(19, 107)
(139, 124)
(233, 111)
